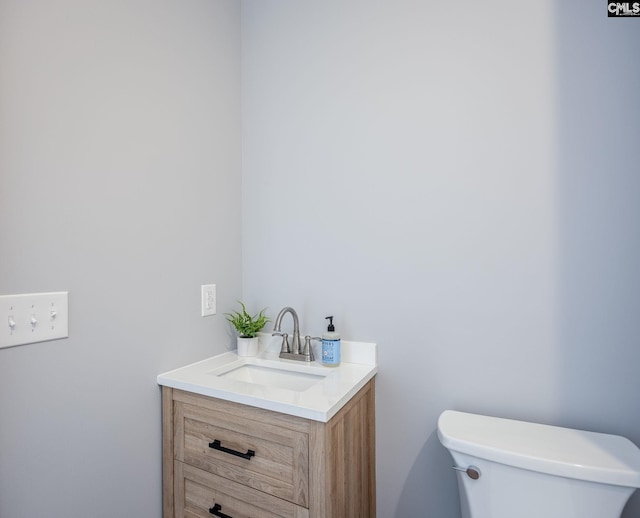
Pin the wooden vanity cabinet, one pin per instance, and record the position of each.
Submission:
(226, 459)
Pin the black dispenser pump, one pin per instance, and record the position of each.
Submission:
(331, 329)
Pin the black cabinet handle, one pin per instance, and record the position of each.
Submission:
(215, 511)
(217, 446)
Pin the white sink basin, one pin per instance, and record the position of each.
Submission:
(270, 376)
(310, 391)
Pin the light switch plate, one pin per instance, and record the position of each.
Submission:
(208, 303)
(33, 317)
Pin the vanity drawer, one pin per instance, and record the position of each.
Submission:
(200, 494)
(257, 454)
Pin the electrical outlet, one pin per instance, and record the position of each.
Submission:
(208, 293)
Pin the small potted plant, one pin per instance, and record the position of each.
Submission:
(247, 327)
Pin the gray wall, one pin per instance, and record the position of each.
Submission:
(120, 182)
(457, 181)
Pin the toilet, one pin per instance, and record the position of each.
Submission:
(516, 469)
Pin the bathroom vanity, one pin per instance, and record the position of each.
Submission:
(266, 438)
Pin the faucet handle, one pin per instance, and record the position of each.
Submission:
(308, 351)
(285, 341)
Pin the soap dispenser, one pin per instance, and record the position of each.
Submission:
(331, 345)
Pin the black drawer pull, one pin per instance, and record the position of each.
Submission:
(217, 446)
(215, 511)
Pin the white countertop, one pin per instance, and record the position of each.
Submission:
(319, 402)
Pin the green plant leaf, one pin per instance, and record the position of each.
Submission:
(246, 325)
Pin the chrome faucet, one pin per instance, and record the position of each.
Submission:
(293, 351)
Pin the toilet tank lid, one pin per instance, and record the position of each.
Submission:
(596, 457)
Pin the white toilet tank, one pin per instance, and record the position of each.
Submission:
(528, 470)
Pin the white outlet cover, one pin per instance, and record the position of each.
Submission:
(208, 299)
(33, 317)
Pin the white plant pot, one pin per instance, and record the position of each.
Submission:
(248, 346)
